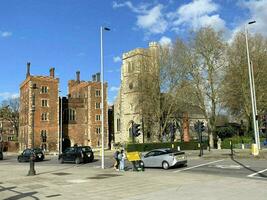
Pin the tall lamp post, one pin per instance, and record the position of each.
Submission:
(102, 94)
(252, 90)
(32, 171)
(61, 128)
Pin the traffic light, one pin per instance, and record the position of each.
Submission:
(135, 130)
(202, 127)
(172, 132)
(196, 126)
(264, 123)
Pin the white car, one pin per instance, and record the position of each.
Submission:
(164, 158)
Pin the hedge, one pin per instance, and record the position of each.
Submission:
(237, 141)
(141, 147)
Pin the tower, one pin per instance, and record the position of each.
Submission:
(139, 86)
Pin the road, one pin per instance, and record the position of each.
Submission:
(202, 179)
(239, 168)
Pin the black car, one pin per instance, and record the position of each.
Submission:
(77, 154)
(1, 155)
(26, 155)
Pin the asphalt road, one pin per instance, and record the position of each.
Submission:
(227, 167)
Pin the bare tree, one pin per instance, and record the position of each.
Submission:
(10, 111)
(236, 91)
(200, 66)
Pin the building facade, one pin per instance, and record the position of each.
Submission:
(82, 113)
(39, 111)
(46, 118)
(139, 93)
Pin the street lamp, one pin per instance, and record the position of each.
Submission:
(252, 90)
(61, 131)
(102, 92)
(32, 171)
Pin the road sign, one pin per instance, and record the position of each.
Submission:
(133, 156)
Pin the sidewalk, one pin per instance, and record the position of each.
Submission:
(226, 153)
(79, 182)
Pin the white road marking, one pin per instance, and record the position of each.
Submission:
(77, 181)
(259, 172)
(199, 165)
(229, 166)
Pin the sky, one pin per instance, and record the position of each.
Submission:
(65, 34)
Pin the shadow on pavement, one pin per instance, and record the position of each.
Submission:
(18, 195)
(252, 170)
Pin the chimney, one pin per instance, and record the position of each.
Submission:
(28, 69)
(94, 78)
(52, 72)
(98, 77)
(78, 76)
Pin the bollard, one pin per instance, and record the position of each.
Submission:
(231, 146)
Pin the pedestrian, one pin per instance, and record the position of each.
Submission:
(122, 158)
(117, 162)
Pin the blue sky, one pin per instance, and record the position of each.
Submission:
(65, 34)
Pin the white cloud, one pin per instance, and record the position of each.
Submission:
(137, 9)
(150, 19)
(194, 15)
(165, 41)
(5, 33)
(197, 14)
(116, 59)
(114, 88)
(8, 95)
(258, 12)
(153, 20)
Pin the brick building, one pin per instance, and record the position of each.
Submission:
(43, 92)
(82, 113)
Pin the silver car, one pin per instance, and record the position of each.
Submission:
(164, 158)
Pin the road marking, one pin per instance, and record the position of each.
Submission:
(259, 172)
(229, 166)
(199, 165)
(77, 181)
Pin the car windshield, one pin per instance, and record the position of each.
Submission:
(169, 151)
(37, 150)
(87, 148)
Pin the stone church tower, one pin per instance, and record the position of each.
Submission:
(139, 94)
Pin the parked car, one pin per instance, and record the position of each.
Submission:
(77, 154)
(26, 155)
(164, 158)
(1, 155)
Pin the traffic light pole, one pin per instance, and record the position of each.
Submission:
(132, 131)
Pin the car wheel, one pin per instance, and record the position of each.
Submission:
(142, 165)
(165, 165)
(92, 159)
(77, 161)
(61, 161)
(19, 159)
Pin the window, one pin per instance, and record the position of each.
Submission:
(69, 115)
(98, 130)
(131, 86)
(44, 89)
(44, 116)
(43, 136)
(97, 93)
(44, 103)
(98, 117)
(97, 105)
(118, 124)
